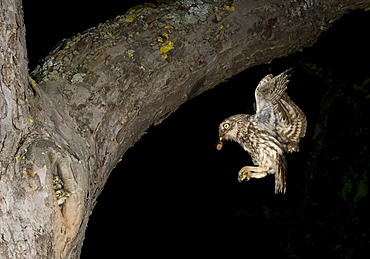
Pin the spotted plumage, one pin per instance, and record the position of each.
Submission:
(275, 128)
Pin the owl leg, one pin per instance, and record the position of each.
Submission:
(248, 172)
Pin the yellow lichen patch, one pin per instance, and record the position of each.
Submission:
(130, 53)
(168, 27)
(166, 44)
(129, 18)
(32, 81)
(72, 42)
(166, 35)
(229, 8)
(166, 48)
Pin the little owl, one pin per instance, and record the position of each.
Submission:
(276, 128)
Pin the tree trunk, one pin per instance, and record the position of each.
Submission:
(64, 129)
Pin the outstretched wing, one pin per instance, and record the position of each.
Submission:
(294, 126)
(269, 92)
(277, 112)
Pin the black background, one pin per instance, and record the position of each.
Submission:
(174, 194)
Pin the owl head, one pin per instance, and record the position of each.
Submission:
(230, 127)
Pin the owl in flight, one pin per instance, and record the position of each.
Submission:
(276, 128)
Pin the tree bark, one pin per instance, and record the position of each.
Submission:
(64, 129)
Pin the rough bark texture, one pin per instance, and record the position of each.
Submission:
(97, 93)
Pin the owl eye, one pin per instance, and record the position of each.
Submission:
(226, 126)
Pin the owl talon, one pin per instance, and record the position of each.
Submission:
(243, 176)
(248, 172)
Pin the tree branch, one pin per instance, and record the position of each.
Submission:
(115, 80)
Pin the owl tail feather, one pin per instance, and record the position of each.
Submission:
(280, 175)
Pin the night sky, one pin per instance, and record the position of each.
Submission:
(174, 194)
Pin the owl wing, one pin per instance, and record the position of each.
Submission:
(277, 112)
(293, 125)
(269, 92)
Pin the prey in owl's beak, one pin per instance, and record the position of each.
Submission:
(219, 144)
